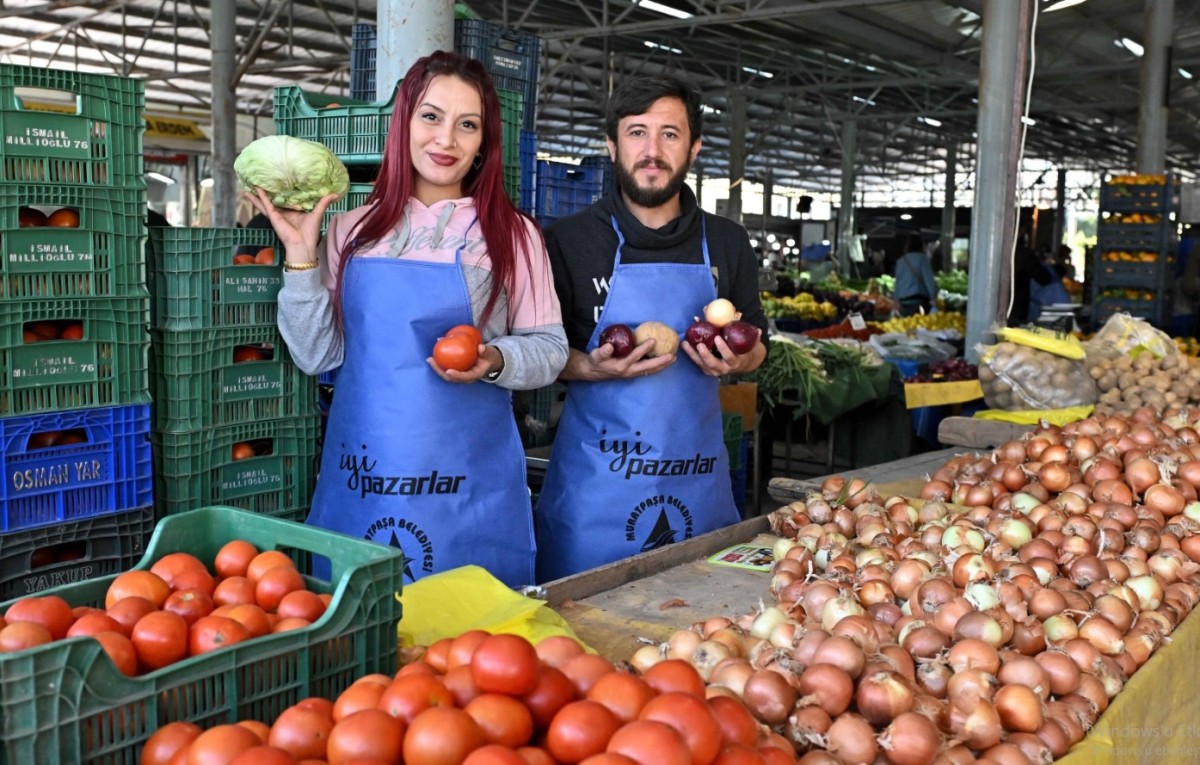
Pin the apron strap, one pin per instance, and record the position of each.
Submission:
(703, 241)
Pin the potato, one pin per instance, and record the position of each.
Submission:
(666, 340)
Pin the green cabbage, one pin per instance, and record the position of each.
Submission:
(295, 173)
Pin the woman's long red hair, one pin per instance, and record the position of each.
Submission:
(503, 225)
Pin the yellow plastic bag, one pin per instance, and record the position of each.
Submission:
(1043, 339)
(1058, 417)
(466, 598)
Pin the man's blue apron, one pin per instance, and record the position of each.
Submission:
(434, 468)
(637, 463)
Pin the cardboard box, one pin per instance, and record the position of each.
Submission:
(741, 398)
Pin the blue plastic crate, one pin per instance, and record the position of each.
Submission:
(604, 164)
(528, 185)
(108, 469)
(564, 189)
(362, 62)
(32, 560)
(509, 55)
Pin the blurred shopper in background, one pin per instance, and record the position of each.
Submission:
(916, 289)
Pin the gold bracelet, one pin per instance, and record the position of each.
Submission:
(301, 266)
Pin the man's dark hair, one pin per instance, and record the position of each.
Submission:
(913, 243)
(637, 94)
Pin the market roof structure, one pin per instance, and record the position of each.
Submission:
(906, 70)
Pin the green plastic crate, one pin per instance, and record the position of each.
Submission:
(108, 367)
(197, 384)
(88, 131)
(195, 284)
(355, 197)
(198, 469)
(66, 703)
(353, 130)
(103, 257)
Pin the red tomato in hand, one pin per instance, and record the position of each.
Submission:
(458, 352)
(467, 331)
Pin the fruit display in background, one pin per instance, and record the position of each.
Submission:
(949, 320)
(666, 340)
(951, 370)
(800, 306)
(621, 338)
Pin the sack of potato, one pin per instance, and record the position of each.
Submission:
(1034, 369)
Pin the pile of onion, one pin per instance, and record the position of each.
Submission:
(995, 618)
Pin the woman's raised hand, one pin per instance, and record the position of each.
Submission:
(298, 230)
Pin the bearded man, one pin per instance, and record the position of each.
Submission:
(639, 459)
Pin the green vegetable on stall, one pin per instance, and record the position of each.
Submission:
(295, 173)
(836, 358)
(791, 371)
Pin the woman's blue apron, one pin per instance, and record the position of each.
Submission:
(637, 463)
(434, 468)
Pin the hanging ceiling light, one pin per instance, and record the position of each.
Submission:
(666, 10)
(1058, 5)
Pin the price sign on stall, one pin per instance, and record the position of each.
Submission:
(856, 322)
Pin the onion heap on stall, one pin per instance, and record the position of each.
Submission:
(990, 621)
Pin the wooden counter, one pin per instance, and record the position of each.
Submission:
(614, 608)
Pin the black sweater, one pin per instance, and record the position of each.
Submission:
(583, 249)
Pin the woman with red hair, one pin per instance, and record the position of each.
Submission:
(420, 457)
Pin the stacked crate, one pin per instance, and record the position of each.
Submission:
(77, 493)
(1133, 264)
(235, 421)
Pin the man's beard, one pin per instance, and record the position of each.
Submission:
(654, 197)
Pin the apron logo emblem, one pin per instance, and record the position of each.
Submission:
(631, 460)
(661, 535)
(383, 531)
(393, 485)
(663, 532)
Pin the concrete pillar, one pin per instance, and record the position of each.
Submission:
(223, 34)
(737, 153)
(1156, 76)
(948, 210)
(846, 205)
(405, 31)
(1003, 70)
(1060, 213)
